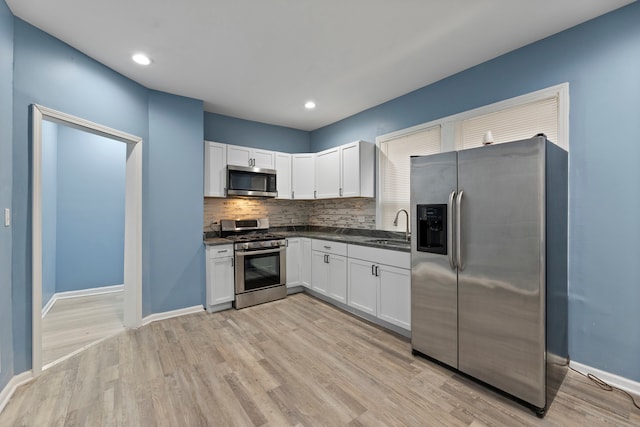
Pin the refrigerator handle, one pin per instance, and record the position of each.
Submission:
(459, 262)
(450, 249)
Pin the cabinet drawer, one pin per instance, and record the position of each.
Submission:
(329, 247)
(220, 251)
(381, 256)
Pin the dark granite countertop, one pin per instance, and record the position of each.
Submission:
(372, 238)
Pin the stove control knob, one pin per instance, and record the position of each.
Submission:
(245, 246)
(275, 243)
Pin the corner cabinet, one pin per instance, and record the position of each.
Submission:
(220, 291)
(303, 176)
(215, 169)
(283, 172)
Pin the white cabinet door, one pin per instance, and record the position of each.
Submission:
(219, 276)
(303, 176)
(263, 159)
(305, 262)
(394, 298)
(337, 277)
(319, 272)
(283, 178)
(254, 157)
(238, 156)
(357, 169)
(215, 169)
(328, 173)
(294, 252)
(362, 283)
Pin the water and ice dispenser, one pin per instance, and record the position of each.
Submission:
(432, 228)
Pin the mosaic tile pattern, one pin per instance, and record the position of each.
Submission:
(343, 213)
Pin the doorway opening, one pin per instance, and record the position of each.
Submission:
(132, 267)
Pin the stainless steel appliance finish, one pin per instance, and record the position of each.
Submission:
(260, 261)
(250, 181)
(493, 304)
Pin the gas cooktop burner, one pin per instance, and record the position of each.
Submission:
(254, 237)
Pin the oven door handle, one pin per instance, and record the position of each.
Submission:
(261, 252)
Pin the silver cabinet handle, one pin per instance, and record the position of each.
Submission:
(327, 247)
(233, 264)
(373, 269)
(292, 194)
(314, 194)
(450, 244)
(377, 271)
(340, 192)
(458, 231)
(223, 251)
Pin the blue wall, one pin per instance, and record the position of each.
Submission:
(230, 130)
(601, 61)
(6, 115)
(49, 208)
(90, 210)
(176, 168)
(50, 73)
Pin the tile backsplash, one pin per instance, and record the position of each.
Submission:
(343, 213)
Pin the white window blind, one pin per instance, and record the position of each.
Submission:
(512, 124)
(395, 170)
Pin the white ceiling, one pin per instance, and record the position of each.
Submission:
(262, 59)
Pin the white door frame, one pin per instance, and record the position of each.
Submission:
(132, 222)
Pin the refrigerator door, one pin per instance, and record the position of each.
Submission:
(501, 273)
(434, 305)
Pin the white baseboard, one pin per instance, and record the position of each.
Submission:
(10, 388)
(169, 314)
(80, 293)
(622, 383)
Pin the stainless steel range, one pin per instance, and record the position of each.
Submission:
(260, 261)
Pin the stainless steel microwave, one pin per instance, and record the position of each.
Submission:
(248, 181)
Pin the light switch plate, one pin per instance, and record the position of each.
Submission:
(7, 217)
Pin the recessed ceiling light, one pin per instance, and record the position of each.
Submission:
(141, 59)
(310, 105)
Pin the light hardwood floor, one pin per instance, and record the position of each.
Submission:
(73, 323)
(296, 361)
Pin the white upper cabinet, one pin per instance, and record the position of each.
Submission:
(328, 173)
(345, 171)
(357, 169)
(283, 172)
(215, 169)
(302, 176)
(254, 157)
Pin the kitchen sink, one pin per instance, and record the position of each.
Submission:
(389, 242)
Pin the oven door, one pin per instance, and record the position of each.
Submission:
(259, 269)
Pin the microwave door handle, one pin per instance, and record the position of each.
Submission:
(450, 243)
(458, 231)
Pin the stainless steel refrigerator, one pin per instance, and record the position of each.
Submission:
(489, 265)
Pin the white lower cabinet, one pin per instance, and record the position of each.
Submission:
(305, 262)
(377, 288)
(294, 267)
(363, 286)
(394, 295)
(329, 269)
(220, 276)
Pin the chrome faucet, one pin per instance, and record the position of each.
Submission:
(407, 234)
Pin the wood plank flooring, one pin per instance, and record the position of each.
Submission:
(293, 362)
(73, 323)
